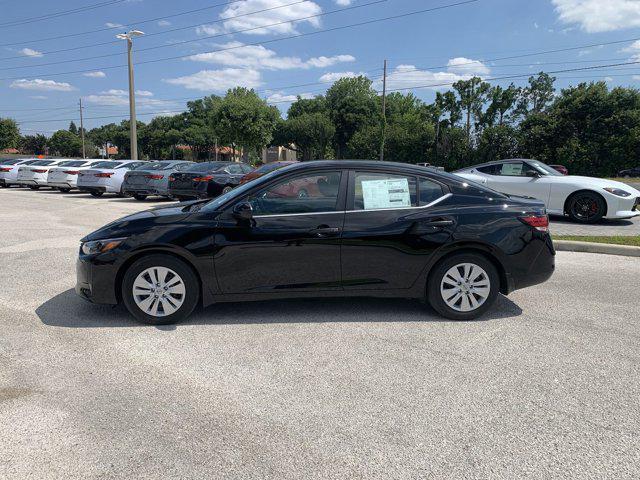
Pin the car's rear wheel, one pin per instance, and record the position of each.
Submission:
(140, 197)
(463, 286)
(64, 189)
(227, 189)
(96, 193)
(586, 207)
(34, 187)
(160, 289)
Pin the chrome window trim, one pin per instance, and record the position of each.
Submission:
(435, 202)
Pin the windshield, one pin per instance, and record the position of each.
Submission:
(153, 166)
(545, 169)
(42, 163)
(106, 164)
(206, 167)
(76, 163)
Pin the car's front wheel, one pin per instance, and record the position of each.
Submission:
(160, 289)
(463, 286)
(586, 207)
(64, 189)
(96, 193)
(34, 187)
(227, 189)
(139, 197)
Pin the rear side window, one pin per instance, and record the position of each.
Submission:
(206, 167)
(489, 169)
(42, 163)
(429, 191)
(384, 191)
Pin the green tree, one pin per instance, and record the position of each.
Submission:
(537, 95)
(73, 128)
(503, 100)
(496, 143)
(66, 143)
(472, 94)
(353, 105)
(245, 120)
(34, 144)
(9, 133)
(308, 134)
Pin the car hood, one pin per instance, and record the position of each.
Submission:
(142, 222)
(596, 183)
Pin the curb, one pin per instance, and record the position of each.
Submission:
(589, 247)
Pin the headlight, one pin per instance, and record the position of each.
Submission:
(618, 192)
(101, 246)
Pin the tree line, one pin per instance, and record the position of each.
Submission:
(589, 128)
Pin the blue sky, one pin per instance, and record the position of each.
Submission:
(242, 42)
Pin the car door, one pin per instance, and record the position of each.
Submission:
(519, 178)
(393, 224)
(292, 243)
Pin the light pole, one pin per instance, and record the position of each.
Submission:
(132, 95)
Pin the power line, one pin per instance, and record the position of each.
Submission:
(199, 39)
(163, 32)
(299, 35)
(62, 13)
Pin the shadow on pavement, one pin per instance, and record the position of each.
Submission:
(603, 222)
(69, 310)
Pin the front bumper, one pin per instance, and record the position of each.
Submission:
(623, 207)
(96, 282)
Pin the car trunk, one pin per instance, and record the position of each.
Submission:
(185, 180)
(137, 178)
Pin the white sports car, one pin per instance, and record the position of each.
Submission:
(584, 199)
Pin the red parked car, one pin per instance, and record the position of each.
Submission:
(263, 170)
(560, 168)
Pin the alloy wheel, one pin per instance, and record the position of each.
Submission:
(465, 287)
(159, 291)
(585, 207)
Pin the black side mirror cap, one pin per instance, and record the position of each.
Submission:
(243, 211)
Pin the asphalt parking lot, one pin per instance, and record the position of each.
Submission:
(545, 386)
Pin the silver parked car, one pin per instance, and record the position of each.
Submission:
(65, 178)
(9, 170)
(105, 177)
(34, 176)
(151, 179)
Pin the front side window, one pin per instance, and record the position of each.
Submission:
(381, 191)
(429, 191)
(312, 193)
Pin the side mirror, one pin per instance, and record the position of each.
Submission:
(533, 174)
(243, 211)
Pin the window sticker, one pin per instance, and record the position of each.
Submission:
(514, 169)
(388, 193)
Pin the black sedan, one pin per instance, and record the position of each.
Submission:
(206, 180)
(364, 228)
(630, 173)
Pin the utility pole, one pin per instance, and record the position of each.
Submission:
(132, 95)
(84, 155)
(384, 110)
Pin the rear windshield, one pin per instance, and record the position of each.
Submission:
(106, 164)
(76, 163)
(9, 162)
(42, 163)
(155, 166)
(206, 167)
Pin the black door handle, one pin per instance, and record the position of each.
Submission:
(323, 231)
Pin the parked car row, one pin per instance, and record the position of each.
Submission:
(179, 179)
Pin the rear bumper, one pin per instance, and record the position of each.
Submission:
(541, 266)
(144, 191)
(188, 192)
(92, 189)
(60, 185)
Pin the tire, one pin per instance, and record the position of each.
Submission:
(64, 190)
(227, 189)
(4, 185)
(139, 197)
(34, 187)
(442, 290)
(96, 194)
(586, 207)
(142, 306)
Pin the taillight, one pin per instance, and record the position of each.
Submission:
(71, 172)
(154, 177)
(539, 222)
(38, 170)
(203, 179)
(5, 169)
(103, 175)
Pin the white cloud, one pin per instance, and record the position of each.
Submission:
(344, 3)
(121, 98)
(39, 84)
(219, 80)
(144, 93)
(31, 53)
(599, 15)
(164, 23)
(38, 97)
(636, 77)
(113, 25)
(210, 29)
(96, 74)
(608, 79)
(535, 25)
(285, 15)
(236, 54)
(408, 76)
(280, 97)
(330, 77)
(467, 66)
